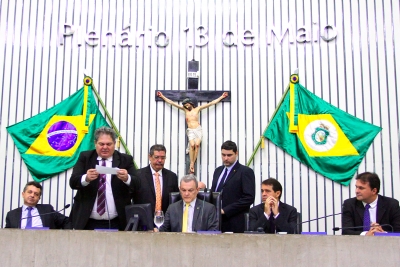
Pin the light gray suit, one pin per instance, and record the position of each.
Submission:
(204, 217)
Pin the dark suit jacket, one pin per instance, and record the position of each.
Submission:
(286, 221)
(53, 221)
(238, 195)
(204, 219)
(86, 195)
(147, 194)
(388, 212)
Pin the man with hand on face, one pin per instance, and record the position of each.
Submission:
(156, 181)
(32, 214)
(101, 198)
(190, 214)
(272, 215)
(369, 212)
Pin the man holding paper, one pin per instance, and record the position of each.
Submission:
(101, 197)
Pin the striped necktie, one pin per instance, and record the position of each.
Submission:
(101, 192)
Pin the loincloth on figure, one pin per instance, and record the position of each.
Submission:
(193, 134)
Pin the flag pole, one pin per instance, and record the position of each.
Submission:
(112, 123)
(262, 136)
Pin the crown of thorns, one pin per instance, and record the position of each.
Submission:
(188, 101)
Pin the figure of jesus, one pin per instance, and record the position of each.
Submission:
(194, 130)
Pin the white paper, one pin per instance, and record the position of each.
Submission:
(106, 170)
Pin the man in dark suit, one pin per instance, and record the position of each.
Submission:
(369, 212)
(167, 180)
(272, 215)
(201, 216)
(237, 186)
(101, 198)
(31, 214)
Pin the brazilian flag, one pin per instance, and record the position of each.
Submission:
(51, 141)
(319, 135)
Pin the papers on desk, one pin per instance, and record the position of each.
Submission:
(106, 170)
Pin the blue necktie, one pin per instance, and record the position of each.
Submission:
(367, 219)
(221, 183)
(29, 218)
(272, 227)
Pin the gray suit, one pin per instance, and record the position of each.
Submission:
(204, 219)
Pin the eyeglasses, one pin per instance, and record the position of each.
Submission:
(159, 157)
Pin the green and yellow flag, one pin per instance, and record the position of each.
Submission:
(321, 136)
(51, 141)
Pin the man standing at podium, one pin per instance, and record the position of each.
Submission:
(101, 198)
(32, 214)
(272, 215)
(369, 212)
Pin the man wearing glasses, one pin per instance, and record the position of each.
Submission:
(156, 181)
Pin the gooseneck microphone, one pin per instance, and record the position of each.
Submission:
(202, 210)
(43, 214)
(323, 217)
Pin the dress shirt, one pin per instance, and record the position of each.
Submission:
(222, 174)
(372, 212)
(36, 221)
(160, 177)
(190, 214)
(111, 210)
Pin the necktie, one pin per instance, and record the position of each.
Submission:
(101, 192)
(221, 183)
(158, 191)
(29, 218)
(367, 219)
(185, 218)
(272, 228)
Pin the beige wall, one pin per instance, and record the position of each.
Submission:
(88, 248)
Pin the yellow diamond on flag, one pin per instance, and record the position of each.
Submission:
(61, 136)
(321, 136)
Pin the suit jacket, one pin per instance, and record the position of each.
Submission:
(238, 195)
(286, 221)
(388, 212)
(204, 217)
(147, 194)
(86, 195)
(53, 221)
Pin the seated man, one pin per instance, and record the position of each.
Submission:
(190, 214)
(369, 212)
(272, 215)
(30, 214)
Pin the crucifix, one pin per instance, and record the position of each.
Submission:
(189, 99)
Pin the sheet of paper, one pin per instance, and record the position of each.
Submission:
(106, 170)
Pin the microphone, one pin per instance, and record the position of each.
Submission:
(360, 227)
(323, 217)
(48, 213)
(202, 209)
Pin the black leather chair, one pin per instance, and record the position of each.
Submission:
(210, 197)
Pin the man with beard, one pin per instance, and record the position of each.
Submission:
(194, 130)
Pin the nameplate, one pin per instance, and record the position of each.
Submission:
(106, 230)
(386, 234)
(313, 233)
(254, 233)
(37, 228)
(208, 232)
